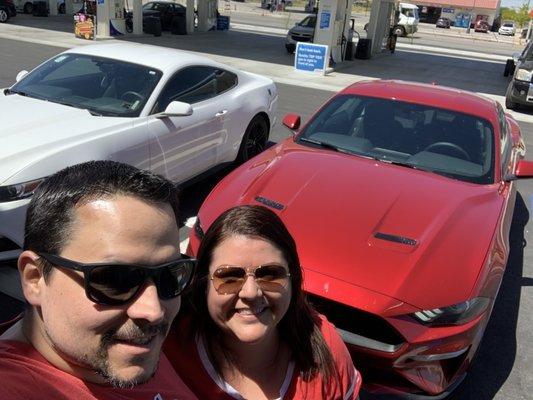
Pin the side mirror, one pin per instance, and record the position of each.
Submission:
(176, 109)
(292, 121)
(21, 75)
(524, 170)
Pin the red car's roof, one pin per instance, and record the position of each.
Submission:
(420, 93)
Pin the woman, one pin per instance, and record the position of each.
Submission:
(250, 332)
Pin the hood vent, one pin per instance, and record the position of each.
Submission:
(270, 203)
(396, 239)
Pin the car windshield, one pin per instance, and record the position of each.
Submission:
(100, 85)
(444, 142)
(507, 25)
(308, 22)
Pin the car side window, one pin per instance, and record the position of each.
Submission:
(190, 85)
(225, 80)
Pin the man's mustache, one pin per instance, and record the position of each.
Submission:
(135, 332)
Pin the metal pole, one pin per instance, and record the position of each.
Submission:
(470, 19)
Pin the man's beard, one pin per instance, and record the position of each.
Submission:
(99, 360)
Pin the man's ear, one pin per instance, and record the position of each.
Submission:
(31, 277)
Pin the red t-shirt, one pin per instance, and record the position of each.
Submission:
(26, 375)
(189, 358)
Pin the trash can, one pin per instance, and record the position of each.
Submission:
(179, 25)
(348, 53)
(363, 49)
(222, 23)
(40, 9)
(152, 25)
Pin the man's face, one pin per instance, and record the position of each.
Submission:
(121, 344)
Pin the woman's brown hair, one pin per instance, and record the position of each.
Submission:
(300, 326)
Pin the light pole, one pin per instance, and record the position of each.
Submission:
(470, 19)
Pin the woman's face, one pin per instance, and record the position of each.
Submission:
(252, 314)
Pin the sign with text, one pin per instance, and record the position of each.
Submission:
(310, 57)
(325, 19)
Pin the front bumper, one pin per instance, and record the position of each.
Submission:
(12, 215)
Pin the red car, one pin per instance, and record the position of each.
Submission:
(482, 26)
(400, 197)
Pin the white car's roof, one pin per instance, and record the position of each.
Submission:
(162, 58)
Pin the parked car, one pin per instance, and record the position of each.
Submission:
(165, 10)
(7, 10)
(26, 7)
(520, 67)
(169, 111)
(507, 28)
(444, 22)
(482, 26)
(400, 198)
(302, 31)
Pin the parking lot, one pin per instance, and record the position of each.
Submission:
(503, 369)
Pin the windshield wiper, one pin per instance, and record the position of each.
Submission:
(11, 91)
(66, 103)
(325, 145)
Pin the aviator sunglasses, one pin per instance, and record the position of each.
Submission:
(229, 279)
(116, 284)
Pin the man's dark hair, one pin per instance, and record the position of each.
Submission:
(51, 211)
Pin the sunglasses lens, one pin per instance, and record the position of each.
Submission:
(229, 279)
(174, 279)
(271, 278)
(114, 284)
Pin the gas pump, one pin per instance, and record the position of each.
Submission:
(110, 18)
(333, 27)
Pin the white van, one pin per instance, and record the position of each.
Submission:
(408, 19)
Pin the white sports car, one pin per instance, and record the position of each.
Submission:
(172, 112)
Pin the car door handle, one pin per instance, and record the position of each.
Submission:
(221, 113)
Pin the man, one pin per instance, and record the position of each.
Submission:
(102, 273)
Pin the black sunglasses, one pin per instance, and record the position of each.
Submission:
(116, 284)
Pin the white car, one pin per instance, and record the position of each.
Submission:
(507, 28)
(169, 111)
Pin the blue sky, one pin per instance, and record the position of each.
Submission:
(514, 3)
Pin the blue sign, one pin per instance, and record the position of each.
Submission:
(448, 10)
(325, 17)
(310, 57)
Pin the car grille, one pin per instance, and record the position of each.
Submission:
(379, 334)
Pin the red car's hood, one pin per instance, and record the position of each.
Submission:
(334, 205)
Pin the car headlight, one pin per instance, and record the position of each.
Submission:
(457, 314)
(523, 75)
(19, 191)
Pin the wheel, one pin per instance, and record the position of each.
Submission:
(399, 31)
(509, 65)
(4, 16)
(28, 8)
(290, 48)
(511, 105)
(254, 140)
(448, 148)
(62, 8)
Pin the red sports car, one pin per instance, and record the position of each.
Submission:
(400, 197)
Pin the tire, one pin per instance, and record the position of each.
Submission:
(4, 16)
(290, 49)
(399, 31)
(509, 67)
(28, 8)
(254, 139)
(509, 104)
(62, 8)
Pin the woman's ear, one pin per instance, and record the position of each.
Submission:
(31, 277)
